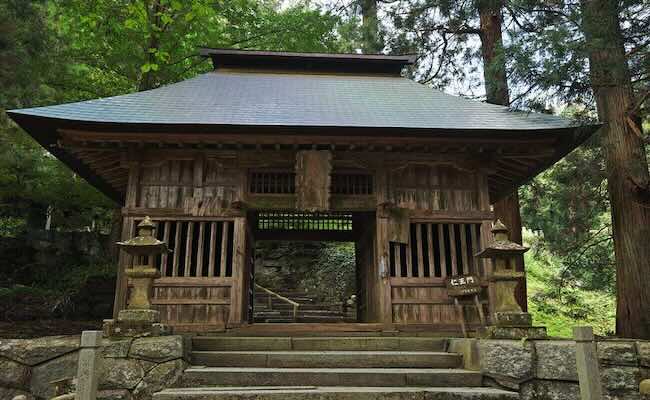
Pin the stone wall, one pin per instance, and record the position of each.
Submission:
(546, 369)
(131, 369)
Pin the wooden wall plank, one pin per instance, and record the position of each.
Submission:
(165, 256)
(224, 247)
(464, 249)
(431, 254)
(452, 249)
(213, 248)
(200, 250)
(189, 242)
(420, 259)
(443, 252)
(177, 248)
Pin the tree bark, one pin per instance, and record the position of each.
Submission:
(626, 163)
(496, 89)
(371, 42)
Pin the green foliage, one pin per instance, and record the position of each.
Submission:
(561, 310)
(568, 206)
(336, 266)
(73, 50)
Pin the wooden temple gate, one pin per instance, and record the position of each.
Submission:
(414, 225)
(306, 146)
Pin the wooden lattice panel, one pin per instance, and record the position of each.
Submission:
(297, 221)
(437, 250)
(352, 184)
(272, 182)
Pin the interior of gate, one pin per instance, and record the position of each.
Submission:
(332, 226)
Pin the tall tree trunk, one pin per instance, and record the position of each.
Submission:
(371, 42)
(626, 163)
(496, 89)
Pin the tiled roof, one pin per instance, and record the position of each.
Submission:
(317, 100)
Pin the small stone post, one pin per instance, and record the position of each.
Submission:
(587, 363)
(89, 365)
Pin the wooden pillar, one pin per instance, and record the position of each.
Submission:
(382, 254)
(128, 229)
(238, 288)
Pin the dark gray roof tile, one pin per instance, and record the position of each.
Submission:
(275, 99)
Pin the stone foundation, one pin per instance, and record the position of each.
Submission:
(132, 369)
(546, 369)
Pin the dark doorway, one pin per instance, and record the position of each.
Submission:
(306, 267)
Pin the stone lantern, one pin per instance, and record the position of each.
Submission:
(139, 319)
(509, 320)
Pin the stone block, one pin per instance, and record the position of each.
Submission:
(36, 351)
(514, 333)
(551, 390)
(161, 376)
(11, 393)
(511, 360)
(14, 375)
(617, 352)
(512, 319)
(119, 394)
(556, 360)
(121, 373)
(146, 316)
(158, 349)
(620, 378)
(116, 348)
(468, 348)
(53, 370)
(643, 349)
(622, 396)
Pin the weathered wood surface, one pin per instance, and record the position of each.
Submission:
(313, 168)
(418, 272)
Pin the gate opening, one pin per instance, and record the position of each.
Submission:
(306, 266)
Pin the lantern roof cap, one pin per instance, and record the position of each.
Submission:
(501, 245)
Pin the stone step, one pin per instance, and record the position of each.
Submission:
(318, 343)
(304, 319)
(327, 359)
(248, 376)
(335, 393)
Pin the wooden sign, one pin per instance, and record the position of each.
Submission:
(463, 285)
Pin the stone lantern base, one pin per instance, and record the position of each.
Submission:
(512, 325)
(136, 323)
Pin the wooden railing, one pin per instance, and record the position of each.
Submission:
(277, 296)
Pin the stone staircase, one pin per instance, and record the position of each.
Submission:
(328, 368)
(310, 310)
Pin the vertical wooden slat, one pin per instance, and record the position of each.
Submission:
(474, 248)
(212, 253)
(463, 248)
(199, 251)
(409, 258)
(443, 253)
(418, 239)
(224, 248)
(164, 258)
(177, 248)
(188, 248)
(452, 248)
(398, 259)
(432, 267)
